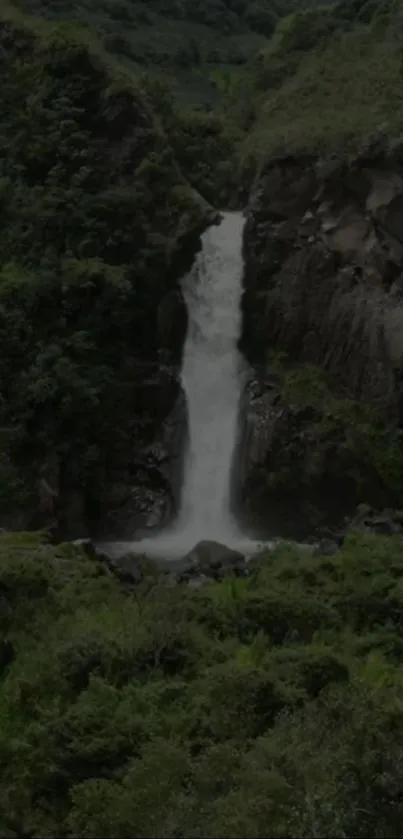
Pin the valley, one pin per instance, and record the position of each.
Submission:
(201, 450)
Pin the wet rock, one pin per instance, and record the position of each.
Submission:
(7, 654)
(214, 560)
(146, 475)
(137, 508)
(127, 569)
(326, 547)
(198, 582)
(323, 271)
(132, 569)
(88, 546)
(297, 472)
(172, 320)
(366, 520)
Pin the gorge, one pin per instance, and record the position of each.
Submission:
(217, 398)
(213, 377)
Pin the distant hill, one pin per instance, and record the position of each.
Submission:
(197, 45)
(328, 79)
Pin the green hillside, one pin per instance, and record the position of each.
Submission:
(97, 223)
(200, 45)
(327, 80)
(267, 704)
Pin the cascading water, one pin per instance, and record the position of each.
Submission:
(212, 380)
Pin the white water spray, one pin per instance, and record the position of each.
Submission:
(212, 380)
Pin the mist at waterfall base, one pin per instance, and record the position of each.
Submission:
(212, 376)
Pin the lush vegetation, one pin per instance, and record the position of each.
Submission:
(97, 223)
(367, 451)
(328, 80)
(269, 706)
(265, 706)
(203, 141)
(327, 454)
(200, 45)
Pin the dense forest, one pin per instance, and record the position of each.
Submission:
(200, 46)
(329, 80)
(267, 704)
(260, 707)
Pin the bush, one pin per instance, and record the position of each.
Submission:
(261, 706)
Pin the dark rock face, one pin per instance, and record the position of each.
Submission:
(207, 561)
(324, 272)
(145, 471)
(7, 654)
(323, 284)
(214, 560)
(140, 483)
(366, 520)
(326, 547)
(297, 470)
(172, 320)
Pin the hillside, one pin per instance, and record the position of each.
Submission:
(328, 79)
(198, 46)
(323, 117)
(259, 699)
(98, 224)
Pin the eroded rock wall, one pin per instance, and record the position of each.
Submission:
(324, 272)
(324, 285)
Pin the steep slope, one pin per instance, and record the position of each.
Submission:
(324, 256)
(97, 225)
(199, 45)
(328, 77)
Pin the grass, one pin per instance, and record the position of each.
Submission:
(348, 86)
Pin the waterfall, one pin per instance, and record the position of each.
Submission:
(212, 381)
(211, 378)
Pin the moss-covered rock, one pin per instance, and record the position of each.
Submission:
(308, 455)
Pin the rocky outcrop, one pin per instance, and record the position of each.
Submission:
(324, 271)
(381, 523)
(324, 286)
(303, 465)
(207, 561)
(145, 472)
(212, 560)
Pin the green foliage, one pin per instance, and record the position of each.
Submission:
(265, 706)
(202, 142)
(361, 435)
(180, 39)
(328, 79)
(95, 218)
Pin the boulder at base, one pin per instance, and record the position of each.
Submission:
(213, 559)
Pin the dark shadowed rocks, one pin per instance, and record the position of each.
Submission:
(302, 468)
(323, 287)
(213, 560)
(324, 271)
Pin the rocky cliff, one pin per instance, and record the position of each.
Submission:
(324, 285)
